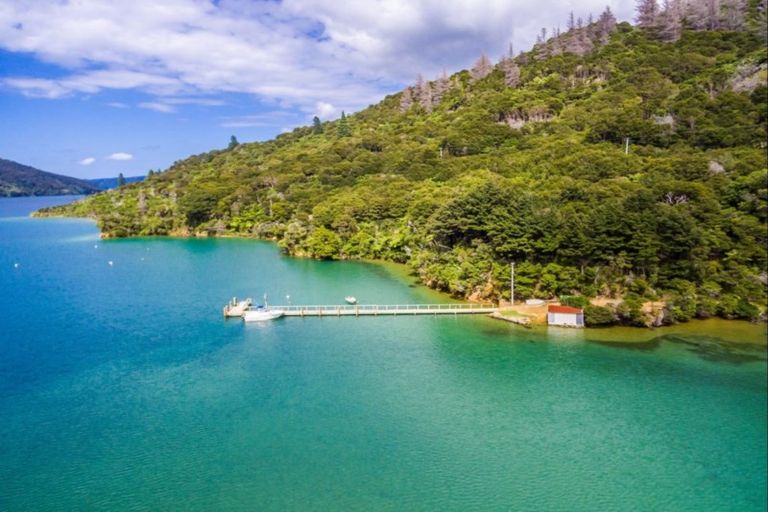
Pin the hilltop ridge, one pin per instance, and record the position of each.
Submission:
(22, 180)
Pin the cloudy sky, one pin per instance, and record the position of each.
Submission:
(91, 88)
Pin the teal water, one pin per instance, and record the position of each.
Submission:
(123, 388)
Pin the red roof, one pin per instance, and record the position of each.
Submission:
(563, 309)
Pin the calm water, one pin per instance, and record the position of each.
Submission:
(122, 388)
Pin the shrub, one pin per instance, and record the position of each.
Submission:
(324, 243)
(682, 308)
(574, 301)
(745, 309)
(630, 311)
(598, 316)
(727, 306)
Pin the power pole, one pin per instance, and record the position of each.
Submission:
(512, 284)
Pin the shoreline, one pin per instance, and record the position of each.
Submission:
(757, 332)
(732, 332)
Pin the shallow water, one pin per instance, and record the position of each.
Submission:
(122, 387)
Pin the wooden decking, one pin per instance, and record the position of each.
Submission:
(387, 310)
(237, 309)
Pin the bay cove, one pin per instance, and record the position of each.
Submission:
(121, 386)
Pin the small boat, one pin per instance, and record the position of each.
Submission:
(262, 313)
(350, 299)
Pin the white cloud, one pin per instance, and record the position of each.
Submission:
(120, 156)
(87, 161)
(294, 53)
(264, 119)
(168, 105)
(158, 107)
(245, 122)
(38, 87)
(205, 102)
(324, 110)
(117, 104)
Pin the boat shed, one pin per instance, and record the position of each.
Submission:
(565, 316)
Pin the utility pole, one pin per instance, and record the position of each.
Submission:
(512, 284)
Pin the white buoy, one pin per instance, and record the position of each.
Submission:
(96, 246)
(15, 265)
(110, 263)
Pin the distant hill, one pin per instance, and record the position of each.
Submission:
(22, 180)
(109, 183)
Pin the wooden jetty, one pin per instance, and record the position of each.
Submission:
(385, 310)
(236, 308)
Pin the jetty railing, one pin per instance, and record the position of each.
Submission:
(384, 309)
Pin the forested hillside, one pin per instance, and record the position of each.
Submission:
(22, 180)
(610, 160)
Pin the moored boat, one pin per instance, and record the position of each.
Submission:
(262, 314)
(350, 299)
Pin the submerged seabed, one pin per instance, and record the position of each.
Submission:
(121, 387)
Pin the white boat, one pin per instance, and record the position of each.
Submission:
(262, 313)
(350, 299)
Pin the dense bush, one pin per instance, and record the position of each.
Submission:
(575, 301)
(596, 316)
(534, 173)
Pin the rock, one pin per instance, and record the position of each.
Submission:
(519, 320)
(659, 318)
(749, 77)
(716, 167)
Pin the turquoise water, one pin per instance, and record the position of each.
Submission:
(123, 388)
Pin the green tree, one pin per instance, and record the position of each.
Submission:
(120, 180)
(575, 301)
(233, 142)
(199, 203)
(598, 315)
(343, 128)
(324, 243)
(317, 126)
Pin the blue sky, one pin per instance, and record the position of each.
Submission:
(92, 88)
